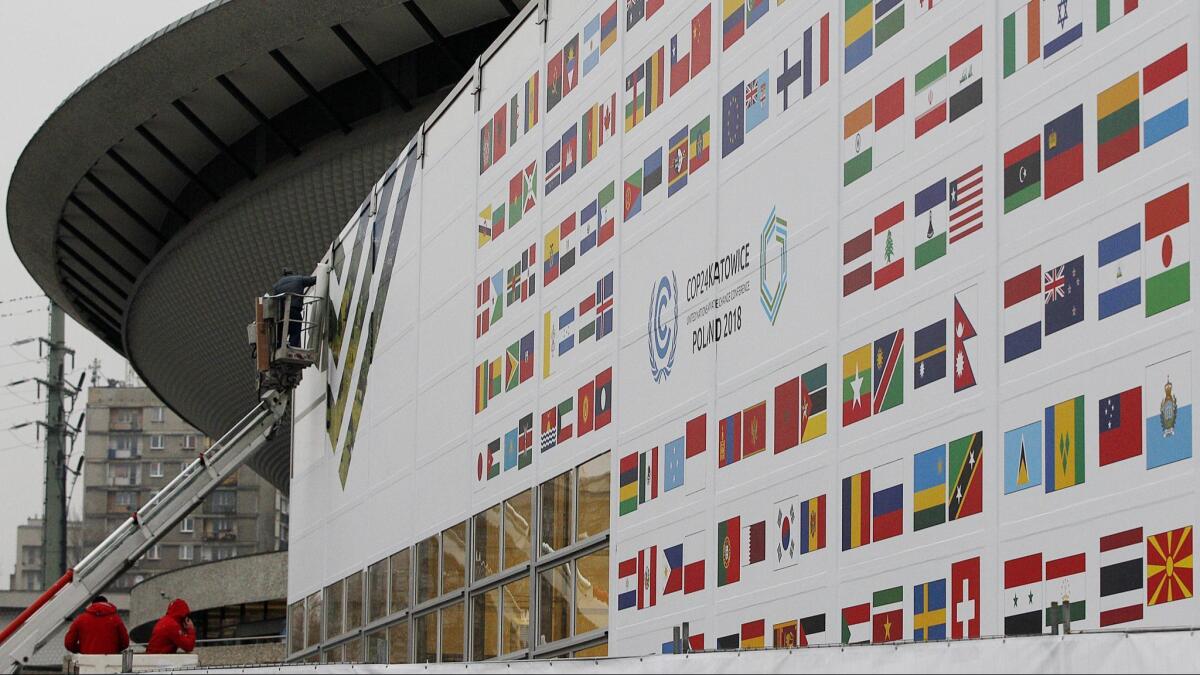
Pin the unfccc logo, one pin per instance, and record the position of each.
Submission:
(663, 327)
(774, 231)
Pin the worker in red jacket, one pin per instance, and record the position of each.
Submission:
(98, 630)
(174, 631)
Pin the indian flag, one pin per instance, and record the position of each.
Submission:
(857, 137)
(1022, 37)
(1165, 96)
(1166, 263)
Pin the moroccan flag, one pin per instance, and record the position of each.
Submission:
(1023, 174)
(1062, 147)
(787, 415)
(754, 429)
(1169, 566)
(1064, 445)
(729, 556)
(1117, 122)
(966, 470)
(856, 510)
(856, 385)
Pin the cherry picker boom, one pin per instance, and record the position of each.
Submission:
(282, 350)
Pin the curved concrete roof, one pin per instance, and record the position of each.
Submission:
(260, 577)
(167, 191)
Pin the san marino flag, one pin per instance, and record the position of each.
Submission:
(1168, 406)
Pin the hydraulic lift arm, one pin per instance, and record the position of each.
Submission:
(29, 631)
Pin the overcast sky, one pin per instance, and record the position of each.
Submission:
(47, 49)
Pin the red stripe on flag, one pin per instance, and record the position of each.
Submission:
(1118, 148)
(1062, 567)
(889, 218)
(825, 49)
(1029, 147)
(1111, 617)
(930, 119)
(857, 613)
(1023, 571)
(1165, 69)
(970, 45)
(889, 104)
(627, 568)
(693, 577)
(856, 247)
(1167, 212)
(1023, 286)
(1121, 539)
(695, 432)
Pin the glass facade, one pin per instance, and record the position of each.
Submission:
(470, 591)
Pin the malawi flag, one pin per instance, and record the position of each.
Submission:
(1167, 267)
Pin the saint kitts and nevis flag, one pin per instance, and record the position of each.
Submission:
(1064, 444)
(873, 132)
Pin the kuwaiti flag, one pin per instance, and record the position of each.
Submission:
(1023, 314)
(1121, 579)
(1165, 96)
(1022, 598)
(1022, 37)
(1120, 271)
(1168, 269)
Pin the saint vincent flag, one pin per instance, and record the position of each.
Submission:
(966, 467)
(1117, 117)
(1064, 444)
(856, 385)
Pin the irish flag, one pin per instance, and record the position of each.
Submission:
(1166, 263)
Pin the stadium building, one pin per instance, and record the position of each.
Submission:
(796, 323)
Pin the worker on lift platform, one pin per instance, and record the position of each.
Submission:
(98, 630)
(293, 284)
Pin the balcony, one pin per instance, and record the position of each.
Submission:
(211, 534)
(124, 453)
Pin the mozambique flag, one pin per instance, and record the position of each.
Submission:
(812, 403)
(1117, 122)
(966, 466)
(1064, 444)
(1169, 566)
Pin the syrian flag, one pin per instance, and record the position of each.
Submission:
(1022, 598)
(1121, 579)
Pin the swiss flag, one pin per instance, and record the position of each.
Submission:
(964, 596)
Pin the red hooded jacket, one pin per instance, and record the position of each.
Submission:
(171, 632)
(98, 630)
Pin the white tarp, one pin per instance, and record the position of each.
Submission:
(1164, 651)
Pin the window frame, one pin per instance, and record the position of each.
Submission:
(157, 442)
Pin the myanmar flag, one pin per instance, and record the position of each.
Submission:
(856, 385)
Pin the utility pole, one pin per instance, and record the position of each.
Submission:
(54, 514)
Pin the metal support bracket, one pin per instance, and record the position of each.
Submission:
(477, 76)
(543, 17)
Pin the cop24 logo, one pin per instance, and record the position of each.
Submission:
(663, 327)
(771, 296)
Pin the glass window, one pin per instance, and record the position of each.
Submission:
(555, 496)
(377, 592)
(185, 552)
(189, 442)
(353, 653)
(591, 498)
(454, 557)
(428, 554)
(595, 651)
(591, 592)
(313, 619)
(485, 625)
(334, 655)
(399, 586)
(486, 543)
(398, 642)
(514, 600)
(377, 647)
(156, 442)
(188, 525)
(296, 626)
(333, 609)
(452, 633)
(425, 638)
(554, 604)
(156, 470)
(518, 523)
(354, 601)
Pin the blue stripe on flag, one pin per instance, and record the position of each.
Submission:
(1059, 43)
(1165, 123)
(1022, 341)
(1120, 298)
(1121, 244)
(930, 197)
